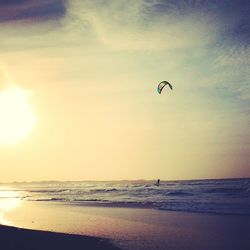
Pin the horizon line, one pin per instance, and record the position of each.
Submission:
(123, 180)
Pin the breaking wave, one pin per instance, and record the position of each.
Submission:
(206, 196)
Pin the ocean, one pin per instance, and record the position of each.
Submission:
(222, 196)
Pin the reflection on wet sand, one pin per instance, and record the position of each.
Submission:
(9, 200)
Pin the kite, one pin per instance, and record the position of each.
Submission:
(162, 84)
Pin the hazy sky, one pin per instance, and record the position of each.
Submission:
(93, 67)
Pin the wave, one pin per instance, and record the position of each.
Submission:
(49, 199)
(94, 200)
(106, 190)
(187, 206)
(226, 190)
(49, 190)
(177, 193)
(211, 196)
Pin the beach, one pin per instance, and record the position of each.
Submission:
(12, 238)
(129, 228)
(124, 124)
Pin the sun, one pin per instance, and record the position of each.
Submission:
(16, 117)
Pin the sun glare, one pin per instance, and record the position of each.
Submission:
(9, 200)
(16, 117)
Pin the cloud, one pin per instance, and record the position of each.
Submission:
(158, 24)
(212, 36)
(33, 10)
(142, 24)
(137, 25)
(207, 41)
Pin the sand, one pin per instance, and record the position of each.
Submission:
(12, 238)
(136, 228)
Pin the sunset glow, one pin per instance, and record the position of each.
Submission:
(17, 119)
(94, 77)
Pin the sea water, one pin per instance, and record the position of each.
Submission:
(225, 196)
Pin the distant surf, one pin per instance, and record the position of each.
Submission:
(230, 196)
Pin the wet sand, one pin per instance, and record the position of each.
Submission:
(136, 228)
(12, 238)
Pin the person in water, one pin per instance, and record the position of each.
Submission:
(157, 182)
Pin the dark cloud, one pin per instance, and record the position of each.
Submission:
(8, 2)
(16, 10)
(233, 15)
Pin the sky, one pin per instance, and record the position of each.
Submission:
(92, 68)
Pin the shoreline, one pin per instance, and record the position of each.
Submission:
(134, 205)
(134, 228)
(14, 238)
(140, 206)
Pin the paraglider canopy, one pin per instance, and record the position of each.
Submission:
(162, 84)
